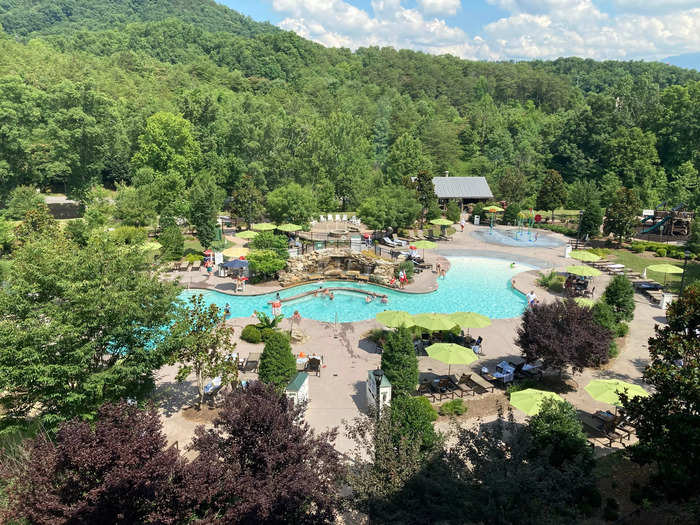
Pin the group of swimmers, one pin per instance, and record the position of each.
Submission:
(324, 291)
(369, 298)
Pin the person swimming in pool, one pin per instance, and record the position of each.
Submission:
(385, 299)
(227, 309)
(368, 298)
(331, 296)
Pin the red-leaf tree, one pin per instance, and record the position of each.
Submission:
(118, 470)
(563, 335)
(261, 463)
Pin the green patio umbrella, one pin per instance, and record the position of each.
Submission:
(289, 228)
(247, 234)
(442, 222)
(451, 354)
(493, 209)
(470, 320)
(434, 322)
(583, 255)
(264, 226)
(585, 302)
(605, 390)
(530, 400)
(664, 269)
(425, 245)
(395, 318)
(583, 271)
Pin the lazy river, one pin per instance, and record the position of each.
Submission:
(473, 284)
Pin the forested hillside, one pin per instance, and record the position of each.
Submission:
(158, 104)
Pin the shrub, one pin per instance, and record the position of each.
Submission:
(251, 334)
(406, 266)
(277, 364)
(478, 209)
(600, 252)
(266, 333)
(622, 329)
(172, 242)
(193, 257)
(399, 362)
(510, 216)
(637, 247)
(614, 350)
(522, 385)
(21, 200)
(661, 252)
(453, 212)
(558, 229)
(129, 235)
(619, 294)
(557, 285)
(455, 407)
(265, 264)
(552, 281)
(272, 242)
(413, 417)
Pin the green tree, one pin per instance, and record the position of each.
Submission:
(98, 207)
(133, 206)
(512, 213)
(621, 215)
(273, 242)
(79, 327)
(205, 201)
(414, 417)
(556, 429)
(172, 242)
(693, 243)
(247, 200)
(277, 363)
(591, 220)
(405, 159)
(265, 264)
(21, 200)
(513, 186)
(610, 185)
(453, 211)
(619, 294)
(400, 363)
(552, 194)
(668, 421)
(391, 206)
(683, 185)
(7, 236)
(426, 191)
(200, 342)
(37, 222)
(291, 203)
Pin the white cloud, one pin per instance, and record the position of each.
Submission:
(532, 28)
(440, 7)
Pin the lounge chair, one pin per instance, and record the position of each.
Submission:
(388, 242)
(330, 218)
(345, 218)
(212, 388)
(424, 389)
(478, 383)
(399, 242)
(337, 218)
(196, 266)
(177, 266)
(463, 386)
(322, 218)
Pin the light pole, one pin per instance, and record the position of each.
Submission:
(578, 233)
(685, 265)
(378, 374)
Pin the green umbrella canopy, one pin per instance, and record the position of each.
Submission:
(470, 320)
(425, 245)
(395, 318)
(264, 226)
(583, 271)
(605, 390)
(583, 255)
(247, 234)
(585, 302)
(434, 322)
(451, 354)
(664, 268)
(442, 222)
(289, 227)
(530, 400)
(493, 209)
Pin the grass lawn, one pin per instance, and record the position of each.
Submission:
(192, 245)
(638, 261)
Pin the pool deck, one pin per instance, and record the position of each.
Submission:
(338, 394)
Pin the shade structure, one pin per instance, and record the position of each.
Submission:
(434, 322)
(606, 390)
(585, 302)
(530, 400)
(235, 251)
(263, 226)
(470, 320)
(395, 318)
(247, 234)
(289, 227)
(442, 222)
(583, 271)
(451, 354)
(425, 245)
(493, 209)
(236, 264)
(583, 255)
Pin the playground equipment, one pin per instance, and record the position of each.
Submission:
(526, 223)
(674, 222)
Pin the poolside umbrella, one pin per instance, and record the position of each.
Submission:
(434, 322)
(247, 234)
(442, 222)
(664, 269)
(395, 318)
(235, 251)
(583, 271)
(451, 354)
(583, 255)
(606, 390)
(470, 320)
(585, 302)
(264, 226)
(289, 227)
(425, 245)
(493, 209)
(530, 400)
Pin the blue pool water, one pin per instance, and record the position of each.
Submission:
(520, 238)
(473, 284)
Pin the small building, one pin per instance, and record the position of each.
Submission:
(463, 190)
(384, 391)
(298, 389)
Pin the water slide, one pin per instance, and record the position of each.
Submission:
(663, 221)
(647, 217)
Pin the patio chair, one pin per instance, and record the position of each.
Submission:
(322, 218)
(314, 365)
(330, 218)
(399, 242)
(196, 266)
(337, 218)
(442, 389)
(177, 266)
(589, 293)
(463, 386)
(345, 218)
(424, 389)
(212, 388)
(388, 242)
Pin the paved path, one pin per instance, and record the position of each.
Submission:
(338, 394)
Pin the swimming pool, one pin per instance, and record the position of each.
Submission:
(473, 284)
(519, 238)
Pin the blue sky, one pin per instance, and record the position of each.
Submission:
(494, 29)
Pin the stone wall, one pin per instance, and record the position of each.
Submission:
(332, 262)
